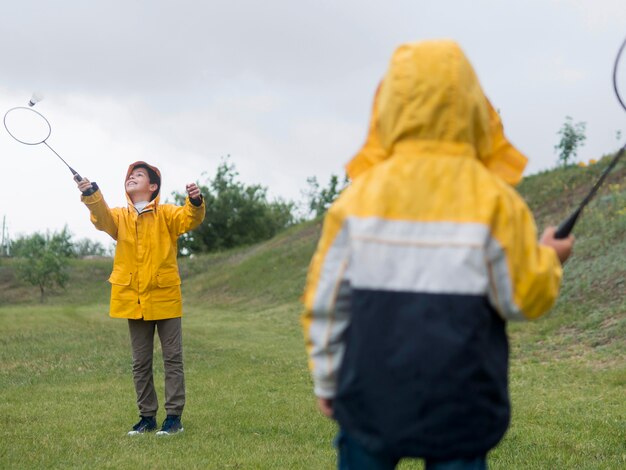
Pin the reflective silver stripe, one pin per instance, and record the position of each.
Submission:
(330, 316)
(430, 257)
(419, 232)
(333, 266)
(501, 289)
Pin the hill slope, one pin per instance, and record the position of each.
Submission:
(590, 314)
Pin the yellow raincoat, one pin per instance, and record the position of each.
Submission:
(145, 283)
(420, 262)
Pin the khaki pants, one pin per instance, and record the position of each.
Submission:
(142, 344)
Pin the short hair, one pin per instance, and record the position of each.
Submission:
(154, 178)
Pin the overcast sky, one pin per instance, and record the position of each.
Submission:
(283, 87)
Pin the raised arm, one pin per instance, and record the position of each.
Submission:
(525, 273)
(184, 218)
(102, 216)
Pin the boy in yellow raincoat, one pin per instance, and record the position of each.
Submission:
(421, 262)
(145, 283)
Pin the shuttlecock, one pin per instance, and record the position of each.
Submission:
(36, 98)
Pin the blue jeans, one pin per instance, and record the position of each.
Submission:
(352, 456)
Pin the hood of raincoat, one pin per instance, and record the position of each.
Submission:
(155, 200)
(431, 99)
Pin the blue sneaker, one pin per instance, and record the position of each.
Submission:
(145, 424)
(171, 425)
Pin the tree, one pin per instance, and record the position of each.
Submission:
(236, 214)
(319, 200)
(572, 137)
(43, 259)
(87, 247)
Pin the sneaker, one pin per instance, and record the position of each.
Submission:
(145, 424)
(171, 425)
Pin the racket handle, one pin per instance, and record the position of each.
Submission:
(565, 228)
(93, 189)
(78, 179)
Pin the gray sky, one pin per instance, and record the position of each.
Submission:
(283, 87)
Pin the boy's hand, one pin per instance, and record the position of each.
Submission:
(563, 246)
(84, 185)
(193, 191)
(326, 406)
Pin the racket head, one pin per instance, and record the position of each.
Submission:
(619, 76)
(27, 126)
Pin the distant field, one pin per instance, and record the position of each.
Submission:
(67, 399)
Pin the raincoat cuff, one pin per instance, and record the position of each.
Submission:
(92, 198)
(558, 266)
(197, 201)
(325, 388)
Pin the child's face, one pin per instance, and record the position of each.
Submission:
(138, 184)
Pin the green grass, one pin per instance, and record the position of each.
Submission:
(67, 398)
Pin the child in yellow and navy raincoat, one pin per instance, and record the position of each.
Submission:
(421, 262)
(145, 283)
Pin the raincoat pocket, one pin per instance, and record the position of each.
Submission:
(119, 278)
(168, 279)
(167, 294)
(121, 286)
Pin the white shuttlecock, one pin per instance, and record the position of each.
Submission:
(36, 98)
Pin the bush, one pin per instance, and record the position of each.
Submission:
(236, 214)
(86, 247)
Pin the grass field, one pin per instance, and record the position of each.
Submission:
(67, 398)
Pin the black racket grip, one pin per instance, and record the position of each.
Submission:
(93, 189)
(565, 228)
